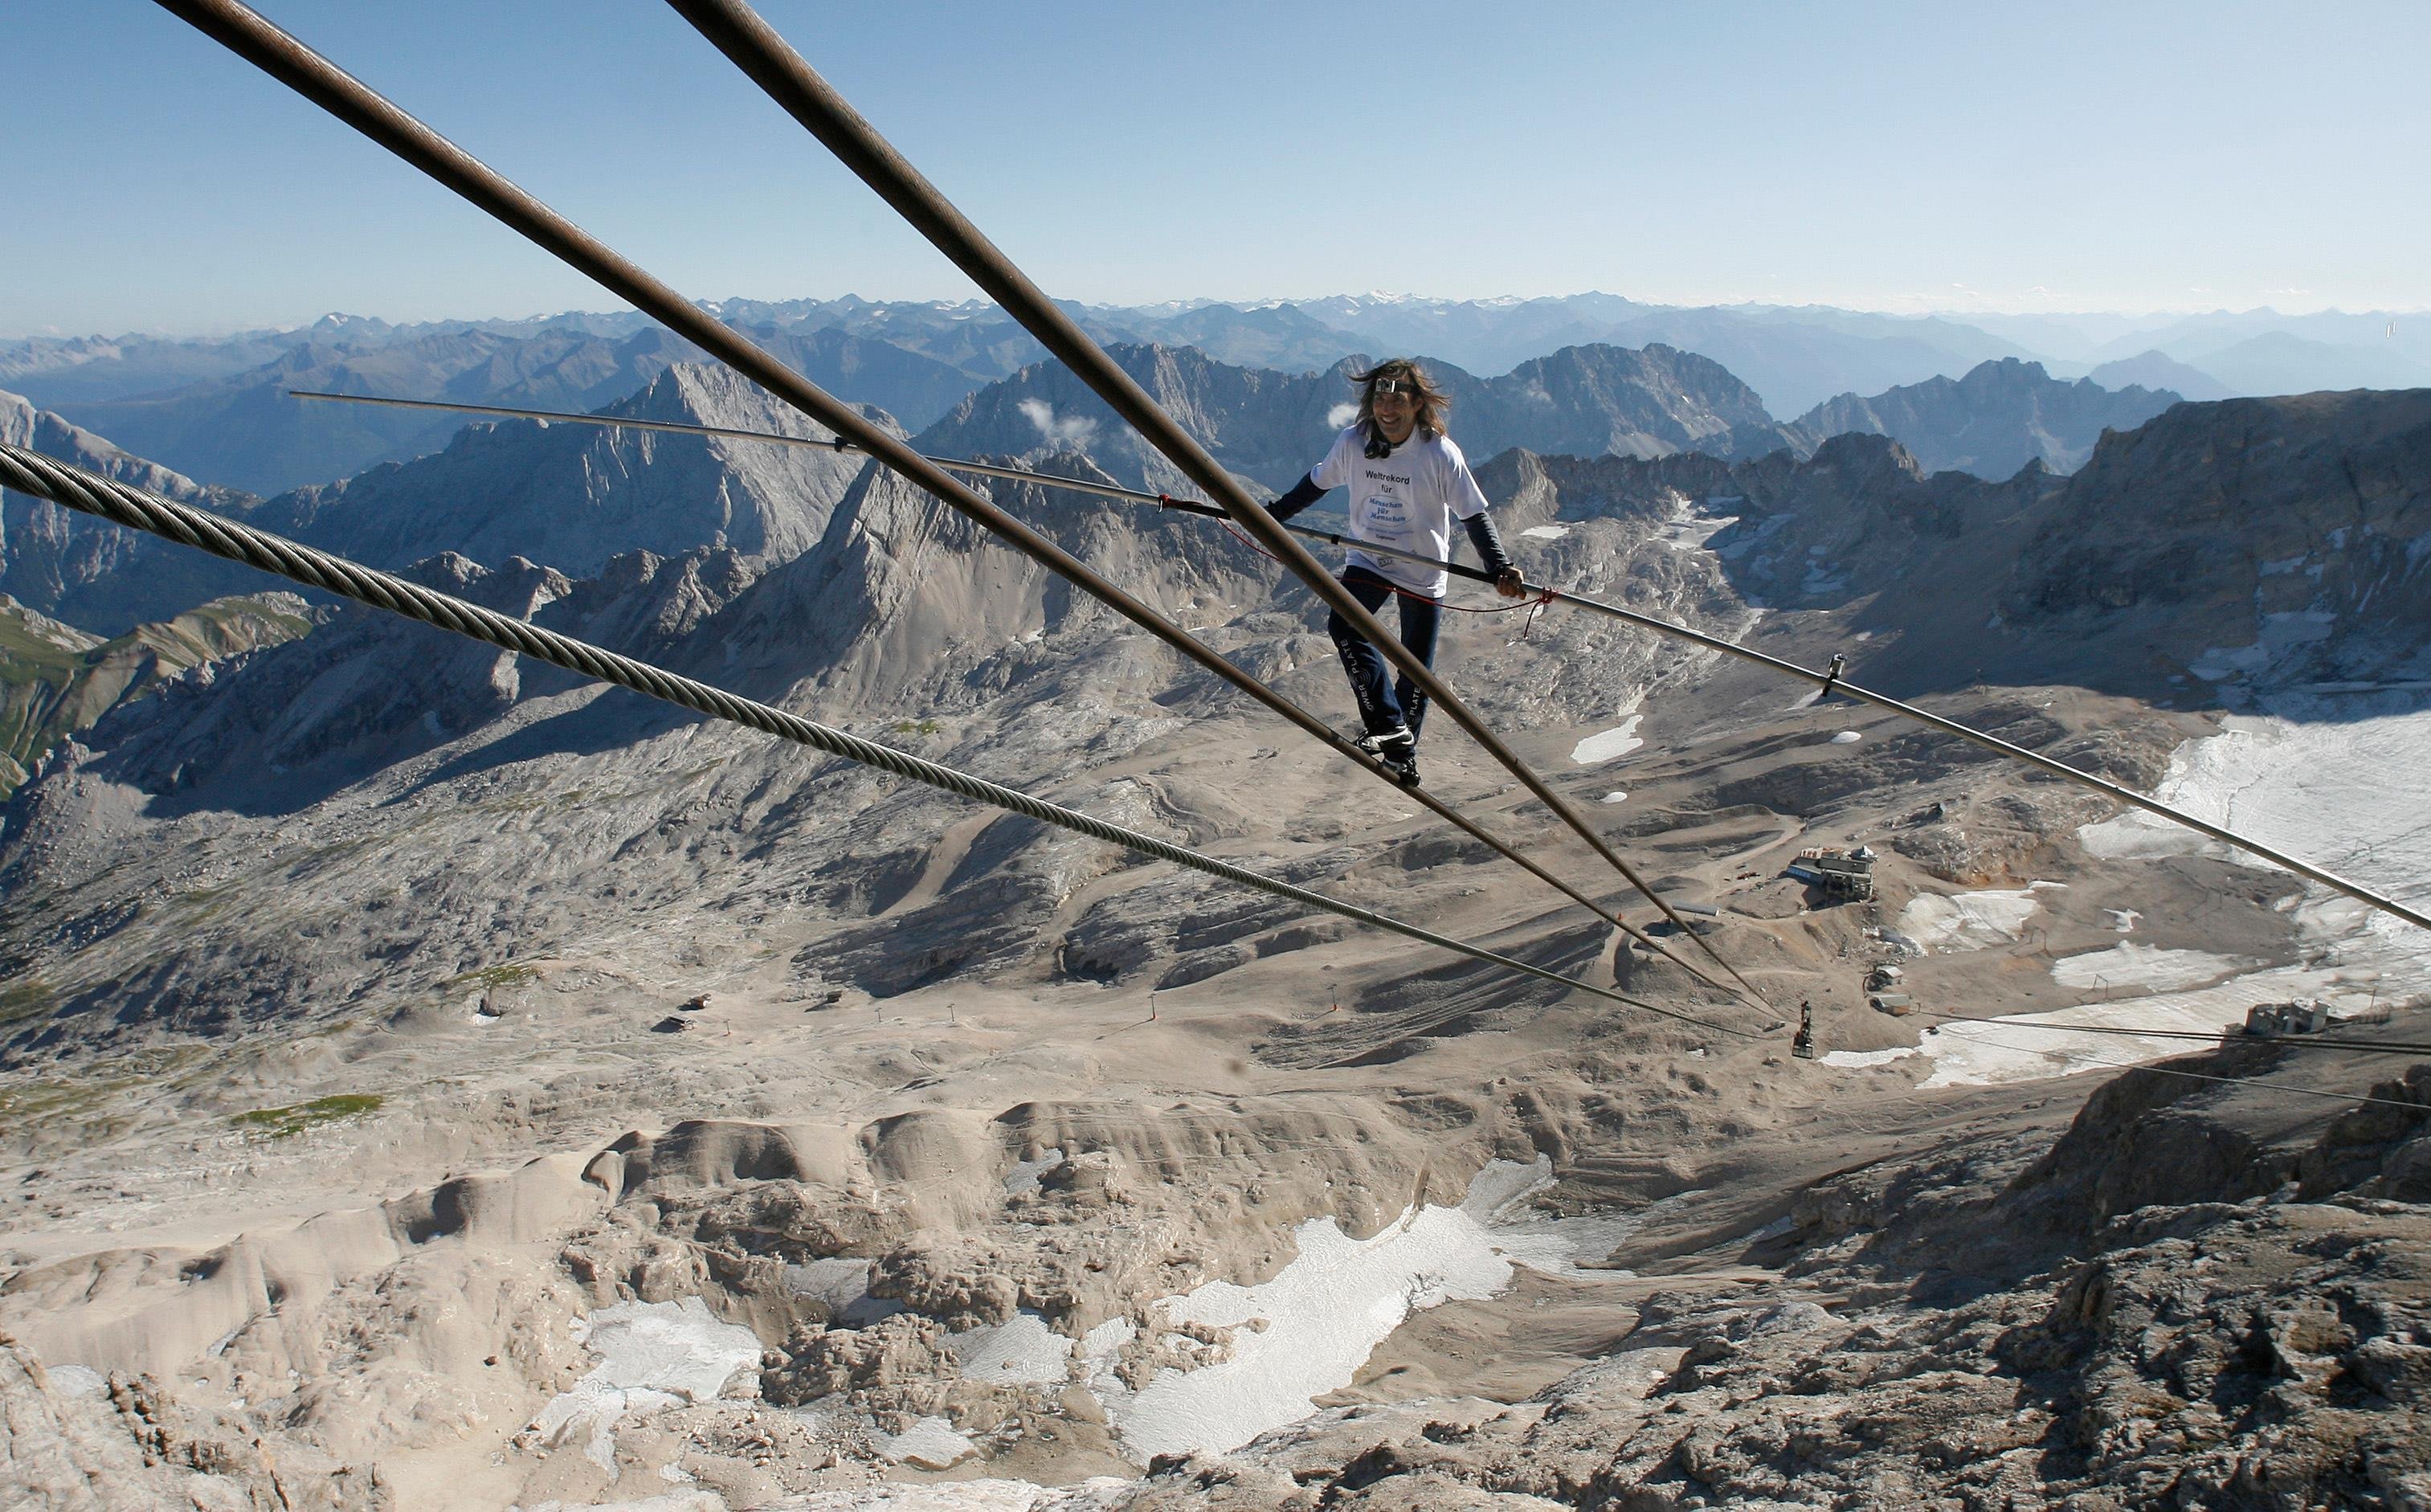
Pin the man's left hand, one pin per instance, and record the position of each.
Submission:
(1508, 583)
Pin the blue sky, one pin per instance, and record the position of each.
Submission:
(1902, 158)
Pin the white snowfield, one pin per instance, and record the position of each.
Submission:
(652, 1355)
(1971, 921)
(1615, 742)
(1307, 1331)
(2353, 795)
(2129, 967)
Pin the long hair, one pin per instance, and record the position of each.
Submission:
(1435, 406)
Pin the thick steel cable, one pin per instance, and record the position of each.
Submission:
(736, 31)
(284, 58)
(1828, 680)
(29, 471)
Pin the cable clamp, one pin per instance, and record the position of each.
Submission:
(1830, 676)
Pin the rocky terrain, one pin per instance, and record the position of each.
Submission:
(432, 1081)
(57, 682)
(98, 578)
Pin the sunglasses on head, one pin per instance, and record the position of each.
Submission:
(1402, 386)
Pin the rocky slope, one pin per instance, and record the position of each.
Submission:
(1993, 421)
(900, 612)
(92, 574)
(2263, 542)
(57, 682)
(573, 496)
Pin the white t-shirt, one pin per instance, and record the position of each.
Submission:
(1406, 498)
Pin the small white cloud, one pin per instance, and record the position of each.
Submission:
(1073, 434)
(1341, 415)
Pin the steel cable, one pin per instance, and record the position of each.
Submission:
(29, 471)
(735, 30)
(284, 58)
(1830, 680)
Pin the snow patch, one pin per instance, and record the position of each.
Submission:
(1971, 921)
(1545, 532)
(652, 1355)
(2343, 793)
(1307, 1331)
(1859, 1060)
(930, 1443)
(1024, 1176)
(1616, 795)
(2336, 790)
(2281, 633)
(1619, 741)
(2128, 965)
(1847, 737)
(1023, 1348)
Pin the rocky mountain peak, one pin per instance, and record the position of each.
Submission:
(575, 496)
(1999, 415)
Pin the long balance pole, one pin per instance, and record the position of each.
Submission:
(1663, 626)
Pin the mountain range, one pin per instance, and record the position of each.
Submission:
(210, 408)
(1272, 426)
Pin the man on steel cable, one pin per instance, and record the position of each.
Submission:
(1407, 481)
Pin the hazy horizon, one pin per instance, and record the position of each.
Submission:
(222, 330)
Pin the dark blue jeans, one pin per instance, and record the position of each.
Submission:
(1382, 702)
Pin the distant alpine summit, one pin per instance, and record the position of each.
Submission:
(1999, 417)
